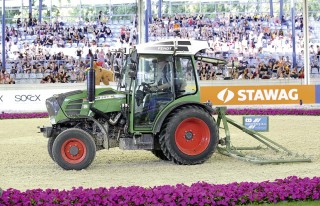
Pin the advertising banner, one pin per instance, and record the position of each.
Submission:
(260, 95)
(26, 100)
(256, 123)
(318, 94)
(31, 100)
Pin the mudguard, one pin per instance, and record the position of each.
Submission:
(161, 119)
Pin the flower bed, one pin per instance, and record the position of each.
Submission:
(270, 111)
(264, 111)
(289, 189)
(23, 115)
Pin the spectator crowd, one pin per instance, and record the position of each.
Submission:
(258, 46)
(255, 46)
(58, 52)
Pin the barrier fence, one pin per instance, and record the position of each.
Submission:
(32, 99)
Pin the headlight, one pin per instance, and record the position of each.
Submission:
(52, 120)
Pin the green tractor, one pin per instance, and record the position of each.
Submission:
(156, 107)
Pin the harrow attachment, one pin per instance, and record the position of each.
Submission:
(226, 148)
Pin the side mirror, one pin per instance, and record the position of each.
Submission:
(132, 67)
(134, 56)
(133, 71)
(132, 74)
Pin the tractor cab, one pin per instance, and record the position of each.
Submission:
(161, 79)
(162, 75)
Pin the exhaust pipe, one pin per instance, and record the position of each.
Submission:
(91, 80)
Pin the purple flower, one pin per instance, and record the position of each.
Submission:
(268, 111)
(23, 115)
(201, 193)
(264, 111)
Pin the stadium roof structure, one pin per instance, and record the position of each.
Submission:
(19, 3)
(173, 46)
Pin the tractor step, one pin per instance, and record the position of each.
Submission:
(143, 142)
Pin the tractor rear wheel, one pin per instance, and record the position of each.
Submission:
(50, 145)
(189, 136)
(159, 154)
(74, 149)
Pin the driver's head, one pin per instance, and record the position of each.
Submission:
(161, 64)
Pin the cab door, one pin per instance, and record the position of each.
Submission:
(147, 103)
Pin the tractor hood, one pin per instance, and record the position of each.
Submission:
(74, 104)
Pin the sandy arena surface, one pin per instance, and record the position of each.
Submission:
(25, 163)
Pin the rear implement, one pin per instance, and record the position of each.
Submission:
(225, 146)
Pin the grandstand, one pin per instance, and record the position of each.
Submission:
(255, 37)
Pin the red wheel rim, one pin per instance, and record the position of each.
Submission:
(73, 150)
(192, 136)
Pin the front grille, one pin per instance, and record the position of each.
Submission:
(74, 107)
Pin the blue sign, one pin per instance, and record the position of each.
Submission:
(317, 94)
(256, 123)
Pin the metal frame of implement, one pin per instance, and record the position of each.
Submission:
(227, 149)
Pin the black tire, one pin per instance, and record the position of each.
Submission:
(78, 142)
(49, 147)
(189, 136)
(159, 154)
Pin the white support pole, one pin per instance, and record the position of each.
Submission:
(141, 31)
(51, 12)
(110, 7)
(306, 42)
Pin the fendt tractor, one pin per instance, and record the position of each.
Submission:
(169, 121)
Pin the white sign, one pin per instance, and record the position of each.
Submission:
(26, 100)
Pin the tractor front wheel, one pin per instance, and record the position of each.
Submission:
(74, 149)
(50, 145)
(189, 136)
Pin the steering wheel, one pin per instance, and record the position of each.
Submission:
(146, 87)
(142, 92)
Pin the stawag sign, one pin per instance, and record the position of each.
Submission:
(252, 95)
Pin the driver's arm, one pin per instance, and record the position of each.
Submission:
(164, 86)
(156, 88)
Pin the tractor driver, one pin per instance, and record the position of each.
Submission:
(162, 82)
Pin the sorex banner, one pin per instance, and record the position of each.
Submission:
(255, 95)
(26, 100)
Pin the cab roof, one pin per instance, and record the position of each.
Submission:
(173, 46)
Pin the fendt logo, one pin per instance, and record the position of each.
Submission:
(225, 95)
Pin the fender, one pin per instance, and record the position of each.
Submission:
(161, 119)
